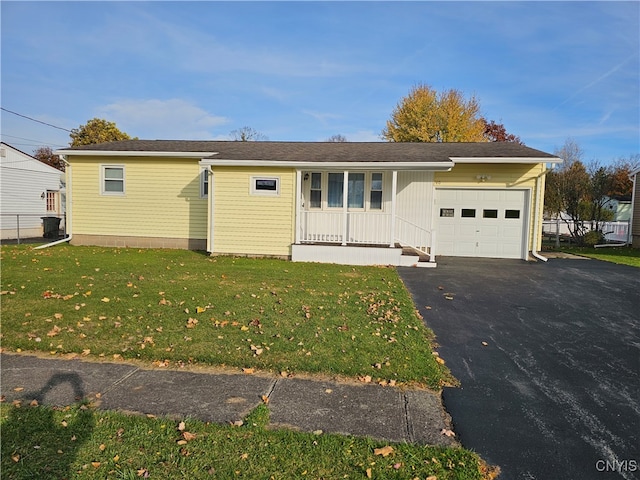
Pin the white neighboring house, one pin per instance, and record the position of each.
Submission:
(29, 190)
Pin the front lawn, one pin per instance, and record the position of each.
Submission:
(79, 442)
(173, 308)
(622, 255)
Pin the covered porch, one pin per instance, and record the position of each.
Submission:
(372, 216)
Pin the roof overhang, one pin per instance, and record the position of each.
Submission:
(506, 159)
(443, 166)
(133, 153)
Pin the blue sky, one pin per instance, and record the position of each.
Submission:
(303, 71)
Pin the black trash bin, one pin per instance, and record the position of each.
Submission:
(51, 227)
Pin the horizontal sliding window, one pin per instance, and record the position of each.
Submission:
(269, 186)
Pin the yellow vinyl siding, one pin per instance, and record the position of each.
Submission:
(252, 224)
(161, 198)
(516, 176)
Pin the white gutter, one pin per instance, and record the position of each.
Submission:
(134, 153)
(69, 205)
(506, 159)
(305, 164)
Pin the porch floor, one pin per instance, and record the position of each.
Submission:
(359, 254)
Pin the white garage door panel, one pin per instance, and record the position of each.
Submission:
(481, 235)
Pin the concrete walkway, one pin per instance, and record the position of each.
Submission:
(385, 413)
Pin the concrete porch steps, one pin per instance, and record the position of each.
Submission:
(412, 257)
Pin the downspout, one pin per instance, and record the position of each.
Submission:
(68, 207)
(633, 211)
(210, 210)
(537, 217)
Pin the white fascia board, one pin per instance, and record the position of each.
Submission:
(106, 153)
(431, 166)
(506, 159)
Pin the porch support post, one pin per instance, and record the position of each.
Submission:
(298, 205)
(345, 207)
(394, 192)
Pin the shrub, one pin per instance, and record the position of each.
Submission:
(592, 238)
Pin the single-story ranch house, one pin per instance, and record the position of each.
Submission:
(339, 202)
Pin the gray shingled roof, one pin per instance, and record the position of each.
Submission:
(325, 151)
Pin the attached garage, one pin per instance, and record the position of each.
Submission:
(482, 222)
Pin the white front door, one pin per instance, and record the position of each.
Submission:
(481, 222)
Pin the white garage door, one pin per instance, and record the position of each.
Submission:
(481, 223)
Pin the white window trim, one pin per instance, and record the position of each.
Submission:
(205, 178)
(264, 193)
(368, 177)
(103, 191)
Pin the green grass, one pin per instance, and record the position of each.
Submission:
(621, 255)
(79, 442)
(175, 308)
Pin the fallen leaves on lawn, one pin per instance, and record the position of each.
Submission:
(447, 432)
(50, 294)
(192, 322)
(54, 331)
(384, 451)
(257, 350)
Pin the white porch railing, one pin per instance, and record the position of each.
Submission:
(361, 227)
(409, 234)
(364, 228)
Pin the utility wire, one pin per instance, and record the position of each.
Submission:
(38, 142)
(34, 120)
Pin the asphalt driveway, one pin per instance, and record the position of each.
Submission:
(548, 356)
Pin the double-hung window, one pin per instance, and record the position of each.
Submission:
(112, 180)
(315, 191)
(204, 183)
(375, 195)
